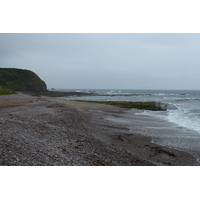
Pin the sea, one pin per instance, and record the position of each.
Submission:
(183, 105)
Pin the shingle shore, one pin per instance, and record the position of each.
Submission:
(38, 131)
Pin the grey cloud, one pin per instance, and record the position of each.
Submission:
(138, 61)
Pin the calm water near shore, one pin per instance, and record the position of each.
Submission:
(183, 109)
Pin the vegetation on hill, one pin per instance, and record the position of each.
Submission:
(21, 80)
(5, 91)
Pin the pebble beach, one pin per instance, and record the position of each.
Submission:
(46, 131)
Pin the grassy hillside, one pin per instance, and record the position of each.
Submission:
(5, 91)
(21, 80)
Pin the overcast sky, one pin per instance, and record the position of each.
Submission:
(106, 61)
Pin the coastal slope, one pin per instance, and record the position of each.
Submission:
(21, 80)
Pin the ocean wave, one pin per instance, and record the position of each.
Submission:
(185, 119)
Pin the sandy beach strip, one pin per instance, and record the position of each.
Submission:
(42, 131)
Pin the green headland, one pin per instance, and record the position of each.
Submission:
(21, 80)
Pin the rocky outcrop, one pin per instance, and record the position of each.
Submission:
(21, 80)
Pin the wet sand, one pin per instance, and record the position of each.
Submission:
(42, 131)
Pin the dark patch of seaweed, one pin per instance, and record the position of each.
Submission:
(154, 106)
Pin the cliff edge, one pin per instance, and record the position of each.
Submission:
(21, 80)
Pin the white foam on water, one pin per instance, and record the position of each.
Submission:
(185, 119)
(182, 117)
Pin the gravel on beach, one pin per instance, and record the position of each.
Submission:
(42, 131)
